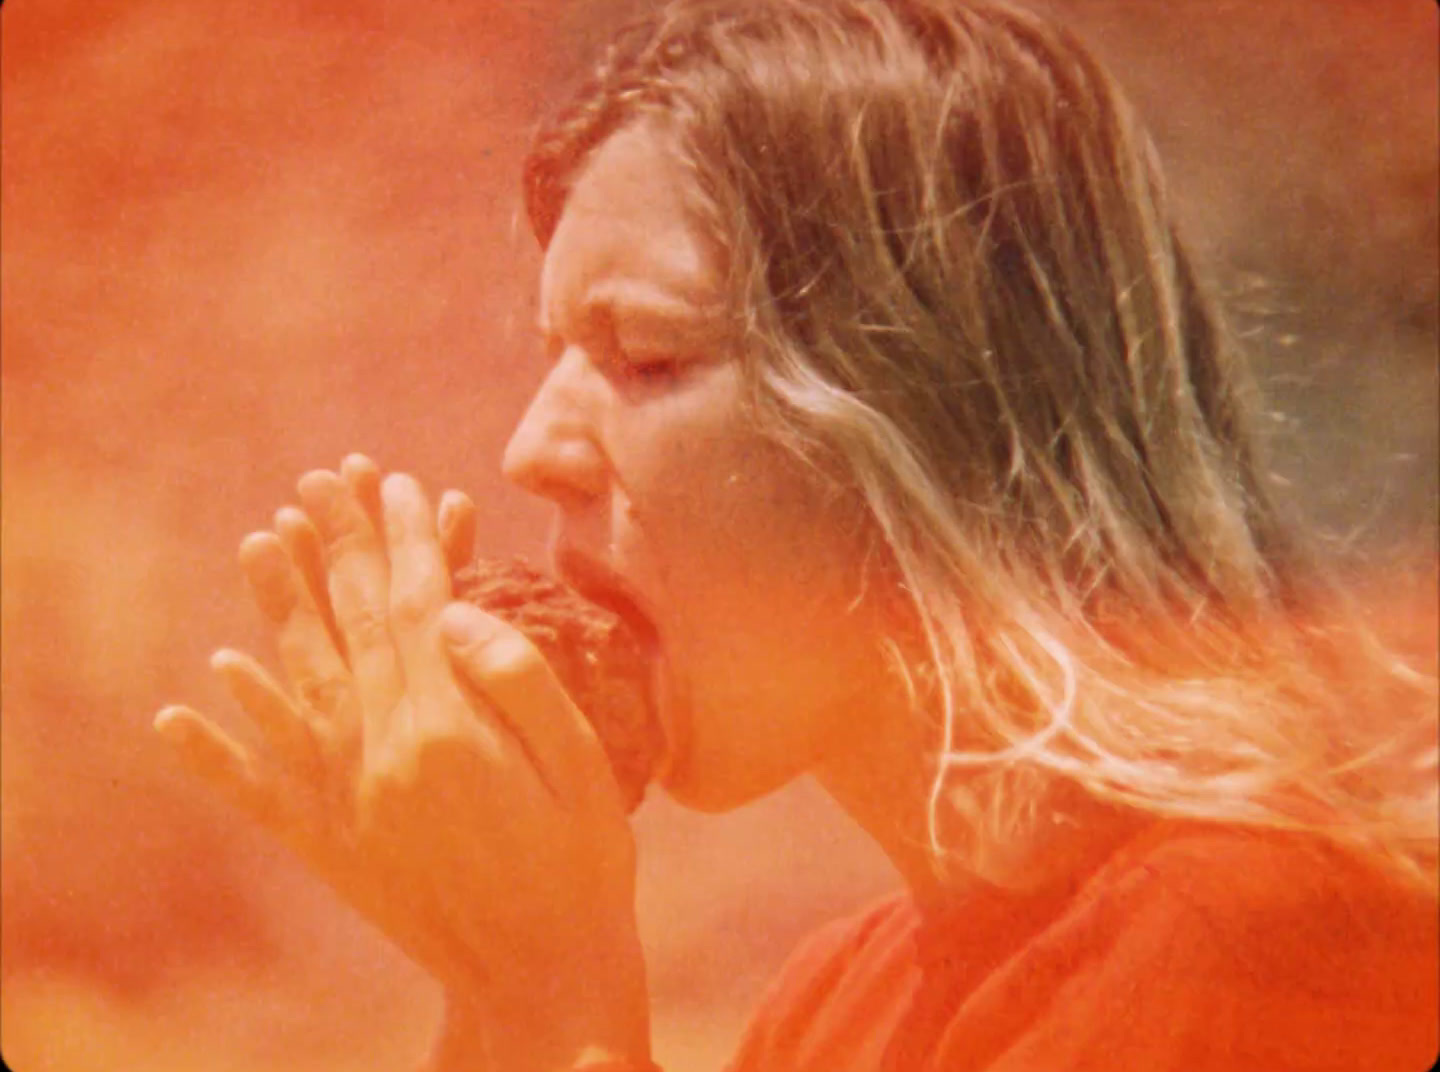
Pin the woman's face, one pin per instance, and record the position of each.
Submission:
(664, 488)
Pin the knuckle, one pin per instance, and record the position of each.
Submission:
(366, 627)
(325, 694)
(417, 780)
(445, 759)
(347, 536)
(383, 787)
(411, 607)
(394, 775)
(429, 756)
(505, 655)
(337, 743)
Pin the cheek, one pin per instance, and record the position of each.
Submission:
(757, 588)
(730, 547)
(732, 529)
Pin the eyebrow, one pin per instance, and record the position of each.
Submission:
(636, 299)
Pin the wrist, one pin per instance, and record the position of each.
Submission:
(595, 1021)
(600, 1025)
(615, 1064)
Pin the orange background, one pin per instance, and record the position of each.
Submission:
(242, 239)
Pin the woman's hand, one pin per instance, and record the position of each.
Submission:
(427, 763)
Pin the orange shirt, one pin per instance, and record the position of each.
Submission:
(1193, 949)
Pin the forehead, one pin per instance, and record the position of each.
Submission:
(630, 218)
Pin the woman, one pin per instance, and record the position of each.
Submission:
(883, 386)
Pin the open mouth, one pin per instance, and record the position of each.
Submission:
(601, 586)
(601, 645)
(605, 589)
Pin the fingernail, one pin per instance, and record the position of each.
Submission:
(169, 722)
(291, 519)
(407, 515)
(358, 468)
(223, 660)
(320, 495)
(315, 485)
(267, 567)
(456, 623)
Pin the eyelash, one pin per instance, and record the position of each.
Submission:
(641, 369)
(649, 369)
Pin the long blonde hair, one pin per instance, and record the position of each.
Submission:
(959, 285)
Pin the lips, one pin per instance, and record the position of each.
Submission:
(605, 588)
(605, 665)
(602, 586)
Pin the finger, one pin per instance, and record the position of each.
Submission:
(316, 670)
(289, 811)
(302, 543)
(499, 663)
(419, 580)
(359, 586)
(221, 762)
(288, 733)
(363, 478)
(456, 521)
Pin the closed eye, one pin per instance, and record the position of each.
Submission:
(649, 368)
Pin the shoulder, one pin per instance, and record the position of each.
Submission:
(1262, 891)
(1219, 947)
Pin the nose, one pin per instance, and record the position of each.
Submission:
(554, 451)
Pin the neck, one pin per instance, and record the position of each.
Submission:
(881, 778)
(883, 781)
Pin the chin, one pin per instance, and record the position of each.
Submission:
(700, 788)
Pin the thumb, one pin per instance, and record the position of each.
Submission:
(502, 665)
